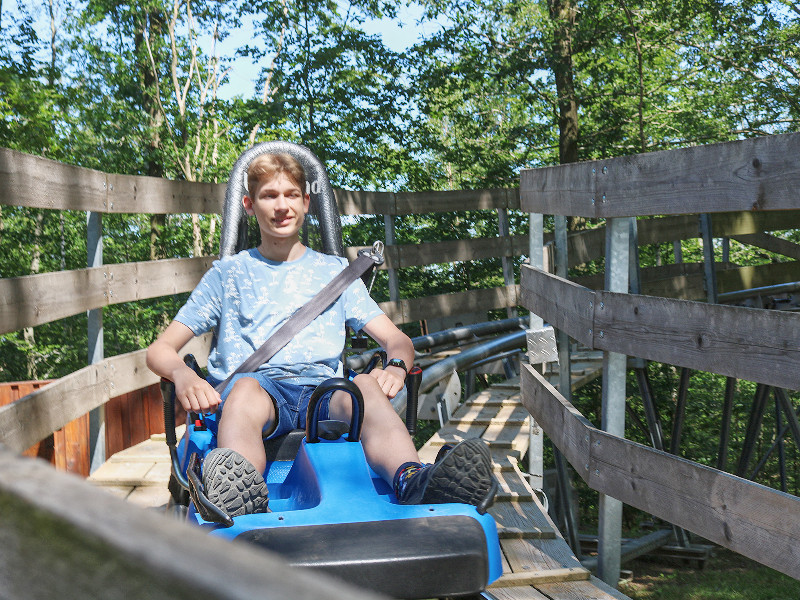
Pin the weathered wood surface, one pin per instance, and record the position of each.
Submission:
(407, 203)
(38, 182)
(563, 304)
(415, 309)
(746, 343)
(36, 299)
(771, 243)
(61, 538)
(538, 562)
(37, 415)
(751, 519)
(748, 175)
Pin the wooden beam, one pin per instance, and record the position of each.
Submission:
(563, 304)
(63, 538)
(43, 183)
(443, 305)
(751, 519)
(746, 343)
(758, 174)
(771, 243)
(35, 416)
(36, 299)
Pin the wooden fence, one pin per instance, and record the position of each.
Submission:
(616, 187)
(759, 345)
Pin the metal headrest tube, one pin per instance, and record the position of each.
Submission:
(233, 237)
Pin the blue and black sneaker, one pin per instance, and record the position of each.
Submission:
(462, 474)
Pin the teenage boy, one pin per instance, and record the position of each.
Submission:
(244, 298)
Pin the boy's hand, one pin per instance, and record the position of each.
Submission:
(391, 380)
(195, 393)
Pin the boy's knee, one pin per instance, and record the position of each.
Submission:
(247, 395)
(368, 385)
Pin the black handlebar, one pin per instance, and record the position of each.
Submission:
(356, 419)
(413, 381)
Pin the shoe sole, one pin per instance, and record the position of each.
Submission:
(463, 475)
(233, 484)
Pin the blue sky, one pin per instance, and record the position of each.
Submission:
(398, 34)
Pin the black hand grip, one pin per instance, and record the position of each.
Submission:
(168, 396)
(413, 381)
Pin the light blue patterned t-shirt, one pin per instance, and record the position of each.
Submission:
(245, 298)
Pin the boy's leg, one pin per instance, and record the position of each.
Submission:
(464, 474)
(232, 472)
(387, 444)
(247, 411)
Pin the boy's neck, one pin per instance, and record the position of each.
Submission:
(281, 250)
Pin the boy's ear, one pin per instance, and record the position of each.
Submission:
(306, 203)
(247, 202)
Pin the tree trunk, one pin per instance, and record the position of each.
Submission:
(151, 25)
(563, 14)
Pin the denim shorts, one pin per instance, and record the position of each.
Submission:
(290, 400)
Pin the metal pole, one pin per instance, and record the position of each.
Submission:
(535, 433)
(753, 427)
(613, 421)
(97, 417)
(725, 434)
(781, 448)
(650, 412)
(394, 287)
(680, 412)
(508, 265)
(791, 416)
(565, 388)
(708, 258)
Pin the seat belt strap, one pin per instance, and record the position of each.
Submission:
(307, 313)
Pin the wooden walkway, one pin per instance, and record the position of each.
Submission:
(538, 564)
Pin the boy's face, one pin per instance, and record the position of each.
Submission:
(279, 206)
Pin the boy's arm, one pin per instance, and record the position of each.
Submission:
(193, 392)
(397, 345)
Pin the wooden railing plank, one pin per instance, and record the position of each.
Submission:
(442, 305)
(749, 175)
(36, 299)
(746, 343)
(63, 538)
(756, 521)
(40, 413)
(563, 304)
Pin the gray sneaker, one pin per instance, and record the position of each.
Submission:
(233, 484)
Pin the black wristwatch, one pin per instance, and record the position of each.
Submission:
(396, 362)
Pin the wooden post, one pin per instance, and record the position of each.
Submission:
(97, 417)
(614, 373)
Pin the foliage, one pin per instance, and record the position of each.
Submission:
(725, 576)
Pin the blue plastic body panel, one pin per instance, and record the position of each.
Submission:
(330, 482)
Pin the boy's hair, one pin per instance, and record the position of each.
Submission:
(268, 166)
